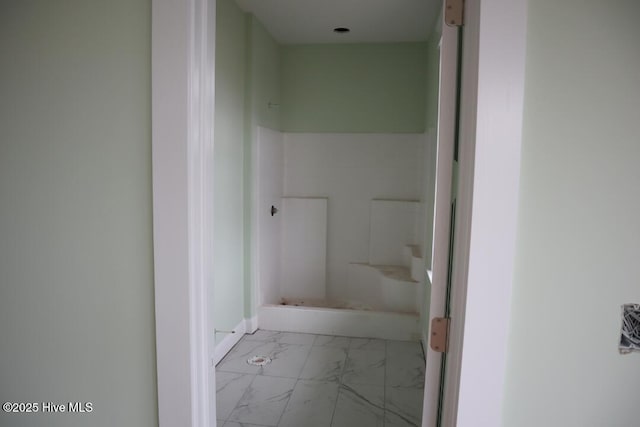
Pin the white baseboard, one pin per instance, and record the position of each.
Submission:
(229, 341)
(251, 325)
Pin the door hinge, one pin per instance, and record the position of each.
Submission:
(440, 334)
(454, 12)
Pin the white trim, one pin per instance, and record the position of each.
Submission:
(251, 324)
(230, 339)
(183, 42)
(442, 213)
(246, 326)
(492, 89)
(464, 212)
(491, 136)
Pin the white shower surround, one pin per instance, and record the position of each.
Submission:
(349, 170)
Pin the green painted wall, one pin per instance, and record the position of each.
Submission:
(247, 79)
(578, 241)
(229, 268)
(264, 76)
(76, 260)
(263, 87)
(432, 80)
(354, 87)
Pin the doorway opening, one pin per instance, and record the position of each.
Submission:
(326, 166)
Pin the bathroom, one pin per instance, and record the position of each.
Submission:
(324, 169)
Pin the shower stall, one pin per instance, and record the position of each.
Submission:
(341, 224)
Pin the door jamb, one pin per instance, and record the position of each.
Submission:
(182, 68)
(492, 98)
(445, 142)
(491, 137)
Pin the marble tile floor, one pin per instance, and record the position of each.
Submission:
(320, 381)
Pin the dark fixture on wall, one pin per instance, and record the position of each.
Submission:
(341, 30)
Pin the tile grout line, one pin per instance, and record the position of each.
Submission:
(246, 390)
(288, 401)
(335, 404)
(255, 375)
(297, 380)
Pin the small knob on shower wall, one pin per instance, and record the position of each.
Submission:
(274, 210)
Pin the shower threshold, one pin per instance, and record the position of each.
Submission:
(317, 302)
(343, 318)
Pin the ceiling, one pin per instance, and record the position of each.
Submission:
(370, 21)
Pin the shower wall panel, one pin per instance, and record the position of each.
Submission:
(351, 170)
(304, 248)
(394, 224)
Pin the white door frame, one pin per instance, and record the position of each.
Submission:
(445, 142)
(183, 41)
(493, 79)
(492, 89)
(183, 66)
